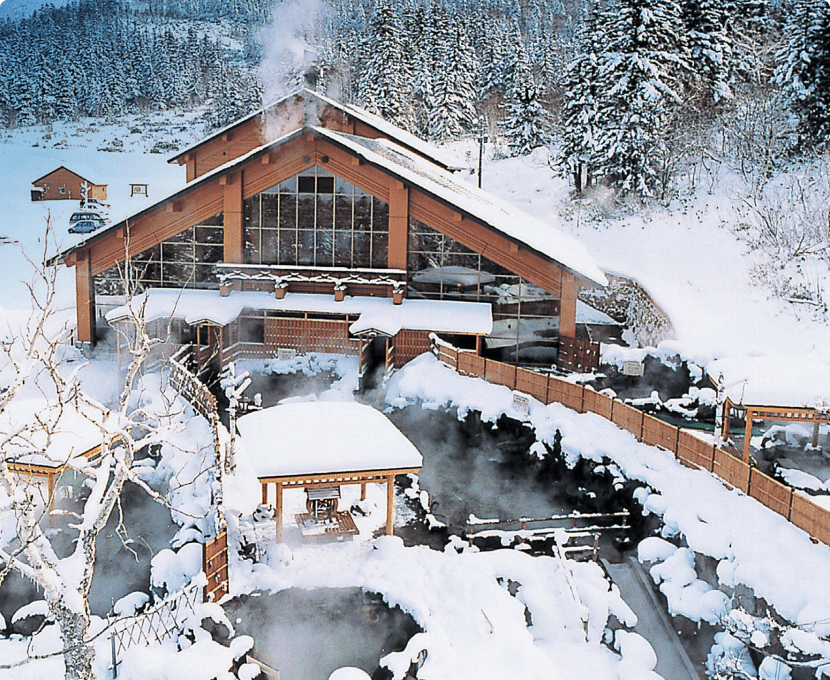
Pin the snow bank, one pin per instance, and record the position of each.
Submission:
(754, 546)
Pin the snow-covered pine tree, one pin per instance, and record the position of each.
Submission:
(526, 123)
(581, 107)
(640, 87)
(710, 48)
(454, 92)
(804, 70)
(384, 85)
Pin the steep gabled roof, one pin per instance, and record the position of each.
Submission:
(409, 168)
(477, 204)
(402, 137)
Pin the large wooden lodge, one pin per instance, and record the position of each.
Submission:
(316, 226)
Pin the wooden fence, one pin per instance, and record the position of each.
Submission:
(688, 449)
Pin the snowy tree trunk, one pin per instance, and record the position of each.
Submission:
(79, 652)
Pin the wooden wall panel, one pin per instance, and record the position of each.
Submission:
(628, 418)
(731, 470)
(471, 364)
(694, 452)
(594, 402)
(410, 344)
(565, 393)
(500, 374)
(658, 433)
(532, 383)
(771, 493)
(810, 517)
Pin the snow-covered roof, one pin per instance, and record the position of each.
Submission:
(375, 313)
(587, 314)
(403, 137)
(320, 437)
(60, 435)
(513, 223)
(774, 381)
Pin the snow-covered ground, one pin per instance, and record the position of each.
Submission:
(694, 266)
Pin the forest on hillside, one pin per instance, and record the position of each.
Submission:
(629, 90)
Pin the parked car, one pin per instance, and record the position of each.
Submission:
(85, 226)
(93, 204)
(80, 215)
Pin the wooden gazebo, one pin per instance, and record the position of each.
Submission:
(760, 389)
(319, 444)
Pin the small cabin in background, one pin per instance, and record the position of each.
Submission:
(64, 184)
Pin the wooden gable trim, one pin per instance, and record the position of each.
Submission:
(154, 227)
(486, 242)
(293, 158)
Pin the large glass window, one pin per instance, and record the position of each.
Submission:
(316, 219)
(525, 316)
(183, 261)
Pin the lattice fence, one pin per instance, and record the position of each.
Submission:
(155, 626)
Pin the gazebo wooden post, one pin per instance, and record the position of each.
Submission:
(727, 420)
(747, 435)
(50, 490)
(264, 493)
(279, 512)
(363, 491)
(390, 503)
(815, 432)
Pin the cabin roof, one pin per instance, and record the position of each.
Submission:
(402, 137)
(63, 167)
(322, 437)
(514, 224)
(778, 381)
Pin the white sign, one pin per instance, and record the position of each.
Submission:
(521, 402)
(284, 354)
(634, 368)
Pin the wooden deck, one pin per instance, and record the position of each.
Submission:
(336, 529)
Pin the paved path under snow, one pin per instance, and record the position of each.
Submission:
(652, 621)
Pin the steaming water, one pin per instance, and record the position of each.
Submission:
(468, 476)
(119, 569)
(307, 635)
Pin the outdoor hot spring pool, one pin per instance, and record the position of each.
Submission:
(308, 634)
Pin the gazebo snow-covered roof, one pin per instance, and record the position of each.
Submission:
(325, 443)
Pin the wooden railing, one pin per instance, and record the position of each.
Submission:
(688, 449)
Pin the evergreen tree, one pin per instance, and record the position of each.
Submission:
(581, 122)
(385, 82)
(452, 111)
(526, 124)
(710, 47)
(640, 87)
(804, 70)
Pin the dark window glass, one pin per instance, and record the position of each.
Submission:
(325, 185)
(305, 185)
(269, 210)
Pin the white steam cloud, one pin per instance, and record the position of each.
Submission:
(288, 48)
